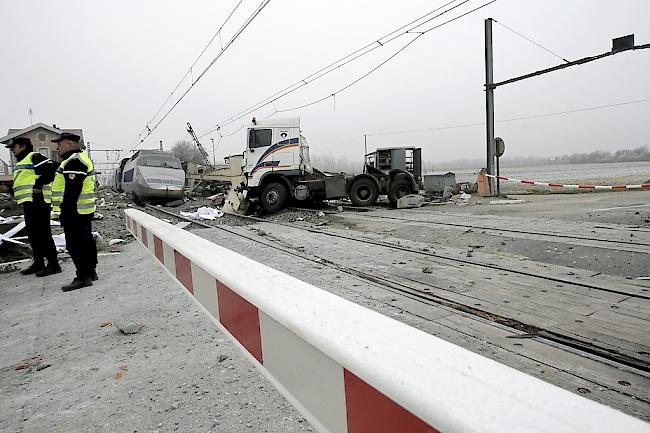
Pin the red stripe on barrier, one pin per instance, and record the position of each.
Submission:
(586, 187)
(241, 319)
(158, 249)
(183, 271)
(369, 411)
(557, 185)
(645, 185)
(529, 182)
(619, 187)
(145, 241)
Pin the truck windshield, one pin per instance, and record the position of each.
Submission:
(159, 162)
(259, 138)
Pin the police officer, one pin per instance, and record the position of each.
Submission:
(75, 179)
(33, 174)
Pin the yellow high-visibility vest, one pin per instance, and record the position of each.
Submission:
(86, 200)
(25, 178)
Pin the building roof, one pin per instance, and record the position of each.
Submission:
(12, 133)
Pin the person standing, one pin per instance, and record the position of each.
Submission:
(76, 176)
(33, 175)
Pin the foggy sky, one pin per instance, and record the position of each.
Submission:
(107, 67)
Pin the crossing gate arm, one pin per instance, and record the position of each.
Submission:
(348, 369)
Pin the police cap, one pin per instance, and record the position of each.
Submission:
(22, 141)
(67, 136)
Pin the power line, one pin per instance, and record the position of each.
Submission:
(379, 43)
(223, 50)
(530, 40)
(534, 116)
(189, 70)
(419, 34)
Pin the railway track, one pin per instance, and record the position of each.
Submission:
(492, 229)
(410, 291)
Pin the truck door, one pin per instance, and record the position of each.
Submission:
(258, 160)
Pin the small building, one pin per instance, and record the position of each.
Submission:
(41, 136)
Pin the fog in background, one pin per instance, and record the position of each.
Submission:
(107, 67)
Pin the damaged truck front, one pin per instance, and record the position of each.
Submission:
(277, 168)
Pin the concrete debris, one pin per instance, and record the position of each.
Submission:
(470, 252)
(508, 201)
(410, 201)
(129, 329)
(204, 212)
(115, 241)
(98, 216)
(320, 214)
(12, 266)
(7, 220)
(464, 199)
(174, 203)
(427, 270)
(217, 199)
(101, 202)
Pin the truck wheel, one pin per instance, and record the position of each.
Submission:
(399, 187)
(273, 197)
(363, 192)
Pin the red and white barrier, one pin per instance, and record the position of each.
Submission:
(559, 185)
(348, 369)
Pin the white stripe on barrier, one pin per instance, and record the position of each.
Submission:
(559, 185)
(351, 370)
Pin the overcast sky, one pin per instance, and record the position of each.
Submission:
(107, 67)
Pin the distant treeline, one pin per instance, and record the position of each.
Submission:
(626, 155)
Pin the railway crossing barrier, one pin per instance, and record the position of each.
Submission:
(348, 369)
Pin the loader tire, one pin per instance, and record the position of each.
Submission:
(363, 192)
(399, 187)
(273, 196)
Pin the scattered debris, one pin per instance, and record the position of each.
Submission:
(115, 241)
(320, 214)
(207, 213)
(470, 252)
(174, 203)
(217, 199)
(43, 367)
(427, 270)
(22, 367)
(105, 324)
(464, 199)
(119, 375)
(410, 201)
(131, 328)
(222, 358)
(183, 224)
(98, 216)
(507, 201)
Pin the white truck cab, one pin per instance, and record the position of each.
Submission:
(277, 167)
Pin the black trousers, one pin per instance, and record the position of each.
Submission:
(80, 243)
(39, 233)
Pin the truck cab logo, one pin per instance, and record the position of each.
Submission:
(283, 134)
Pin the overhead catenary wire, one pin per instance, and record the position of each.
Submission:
(250, 19)
(474, 124)
(378, 43)
(530, 40)
(189, 70)
(418, 35)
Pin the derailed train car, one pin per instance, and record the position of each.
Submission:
(150, 175)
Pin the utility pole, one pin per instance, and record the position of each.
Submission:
(214, 155)
(161, 146)
(489, 102)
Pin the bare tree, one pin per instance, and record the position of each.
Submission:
(187, 151)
